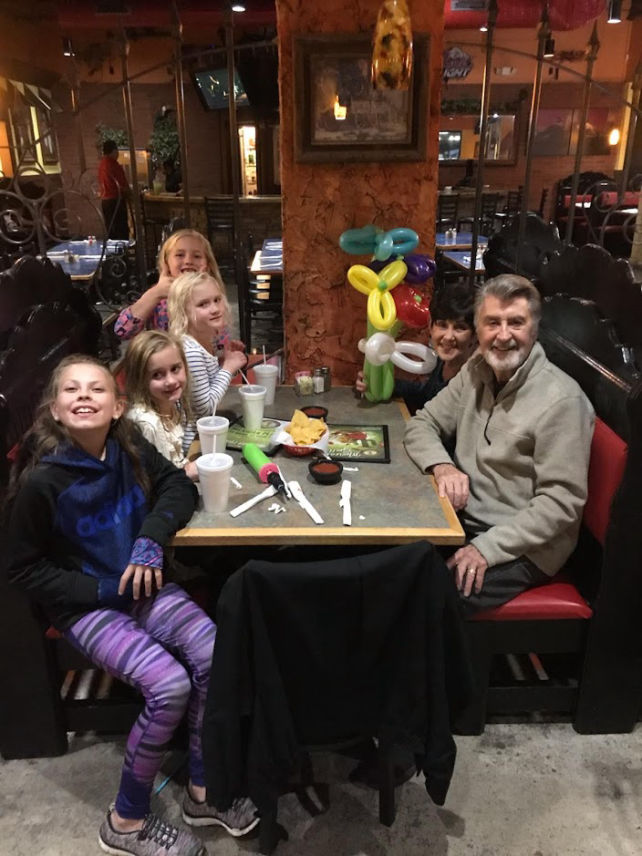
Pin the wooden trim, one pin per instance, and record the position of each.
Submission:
(313, 535)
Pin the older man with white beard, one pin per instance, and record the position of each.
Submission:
(521, 431)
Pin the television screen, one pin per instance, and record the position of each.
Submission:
(213, 87)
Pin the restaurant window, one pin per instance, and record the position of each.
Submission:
(449, 145)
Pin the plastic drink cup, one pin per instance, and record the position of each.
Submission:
(267, 375)
(253, 401)
(214, 472)
(212, 432)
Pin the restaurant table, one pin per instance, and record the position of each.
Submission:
(463, 241)
(461, 260)
(86, 256)
(398, 503)
(269, 259)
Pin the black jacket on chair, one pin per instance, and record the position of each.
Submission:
(316, 652)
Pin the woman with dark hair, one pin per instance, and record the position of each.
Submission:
(452, 338)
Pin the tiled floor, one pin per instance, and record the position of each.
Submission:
(518, 790)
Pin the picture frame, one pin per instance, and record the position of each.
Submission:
(379, 125)
(553, 132)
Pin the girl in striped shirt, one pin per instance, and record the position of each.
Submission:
(198, 310)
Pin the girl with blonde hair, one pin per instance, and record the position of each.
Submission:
(185, 251)
(157, 388)
(198, 310)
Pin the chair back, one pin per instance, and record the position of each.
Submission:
(447, 210)
(513, 203)
(606, 468)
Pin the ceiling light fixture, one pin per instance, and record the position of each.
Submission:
(238, 7)
(483, 28)
(67, 47)
(549, 48)
(615, 12)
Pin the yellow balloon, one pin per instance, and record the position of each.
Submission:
(394, 273)
(381, 310)
(362, 278)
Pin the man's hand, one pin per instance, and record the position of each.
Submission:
(470, 569)
(452, 483)
(236, 345)
(142, 574)
(361, 384)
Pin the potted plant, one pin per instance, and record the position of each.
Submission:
(163, 145)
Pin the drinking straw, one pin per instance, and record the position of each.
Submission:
(264, 357)
(244, 376)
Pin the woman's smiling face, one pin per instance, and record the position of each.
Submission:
(452, 339)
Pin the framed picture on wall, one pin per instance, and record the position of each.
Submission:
(553, 132)
(339, 116)
(596, 131)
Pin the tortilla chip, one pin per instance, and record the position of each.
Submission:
(305, 431)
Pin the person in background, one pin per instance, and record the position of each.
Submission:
(185, 251)
(91, 504)
(521, 430)
(114, 193)
(173, 176)
(157, 388)
(452, 337)
(198, 310)
(469, 177)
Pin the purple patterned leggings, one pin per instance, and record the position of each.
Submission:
(162, 646)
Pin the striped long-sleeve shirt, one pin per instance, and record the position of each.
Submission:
(209, 383)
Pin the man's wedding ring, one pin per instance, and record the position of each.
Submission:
(470, 571)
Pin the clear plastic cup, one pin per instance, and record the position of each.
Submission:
(253, 402)
(267, 375)
(214, 478)
(212, 433)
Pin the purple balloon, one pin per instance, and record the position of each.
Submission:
(376, 265)
(420, 268)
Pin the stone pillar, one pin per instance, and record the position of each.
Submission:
(324, 316)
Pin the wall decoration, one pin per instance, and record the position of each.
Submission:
(553, 132)
(339, 117)
(596, 134)
(457, 64)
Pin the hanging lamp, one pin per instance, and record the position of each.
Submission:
(392, 46)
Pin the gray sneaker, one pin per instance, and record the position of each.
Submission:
(156, 838)
(238, 820)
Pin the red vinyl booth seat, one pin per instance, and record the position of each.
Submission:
(560, 599)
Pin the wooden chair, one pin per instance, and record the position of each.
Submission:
(260, 299)
(447, 211)
(489, 203)
(512, 206)
(220, 230)
(313, 653)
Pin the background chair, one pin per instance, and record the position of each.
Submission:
(512, 206)
(220, 231)
(312, 653)
(447, 211)
(489, 202)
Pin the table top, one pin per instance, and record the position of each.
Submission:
(269, 259)
(86, 256)
(397, 502)
(463, 241)
(461, 260)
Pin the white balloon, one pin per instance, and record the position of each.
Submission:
(379, 348)
(425, 363)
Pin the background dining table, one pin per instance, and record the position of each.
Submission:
(80, 259)
(392, 503)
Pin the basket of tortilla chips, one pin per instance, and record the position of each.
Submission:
(303, 435)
